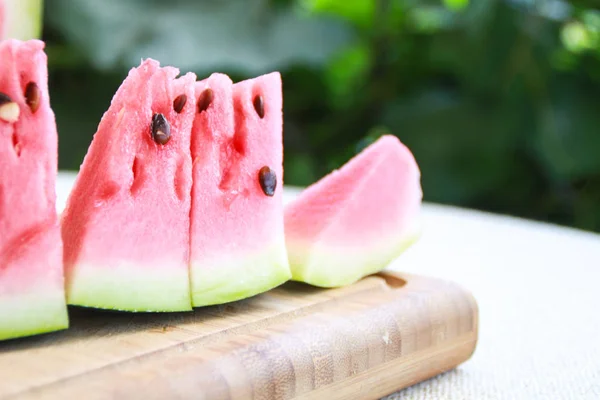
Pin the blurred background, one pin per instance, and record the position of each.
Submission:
(498, 99)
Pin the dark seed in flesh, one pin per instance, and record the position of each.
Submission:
(268, 180)
(259, 106)
(32, 96)
(4, 98)
(204, 100)
(179, 103)
(160, 129)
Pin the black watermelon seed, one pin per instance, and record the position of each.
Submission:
(259, 105)
(179, 103)
(4, 98)
(268, 180)
(160, 129)
(32, 96)
(205, 99)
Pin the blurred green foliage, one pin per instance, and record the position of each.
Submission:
(498, 99)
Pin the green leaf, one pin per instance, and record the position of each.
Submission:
(456, 5)
(359, 12)
(576, 37)
(247, 35)
(346, 72)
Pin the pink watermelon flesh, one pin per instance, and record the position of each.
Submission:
(237, 236)
(32, 297)
(356, 220)
(126, 223)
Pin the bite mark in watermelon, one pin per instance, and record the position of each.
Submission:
(126, 223)
(237, 242)
(32, 298)
(356, 220)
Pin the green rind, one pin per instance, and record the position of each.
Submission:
(237, 279)
(32, 313)
(129, 287)
(334, 268)
(25, 19)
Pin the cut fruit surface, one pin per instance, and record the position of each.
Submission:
(32, 297)
(357, 219)
(126, 223)
(237, 244)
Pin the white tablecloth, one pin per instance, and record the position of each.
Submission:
(538, 290)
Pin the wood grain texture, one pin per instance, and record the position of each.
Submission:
(363, 341)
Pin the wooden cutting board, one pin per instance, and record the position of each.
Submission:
(366, 340)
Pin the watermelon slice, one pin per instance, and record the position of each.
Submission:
(20, 19)
(126, 222)
(237, 235)
(32, 297)
(356, 220)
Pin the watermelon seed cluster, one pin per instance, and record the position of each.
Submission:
(160, 129)
(259, 106)
(9, 110)
(268, 180)
(32, 96)
(179, 103)
(204, 100)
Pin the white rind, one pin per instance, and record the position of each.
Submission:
(127, 286)
(31, 313)
(325, 265)
(229, 277)
(24, 19)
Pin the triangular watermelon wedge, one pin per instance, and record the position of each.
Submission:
(126, 223)
(32, 297)
(356, 220)
(237, 243)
